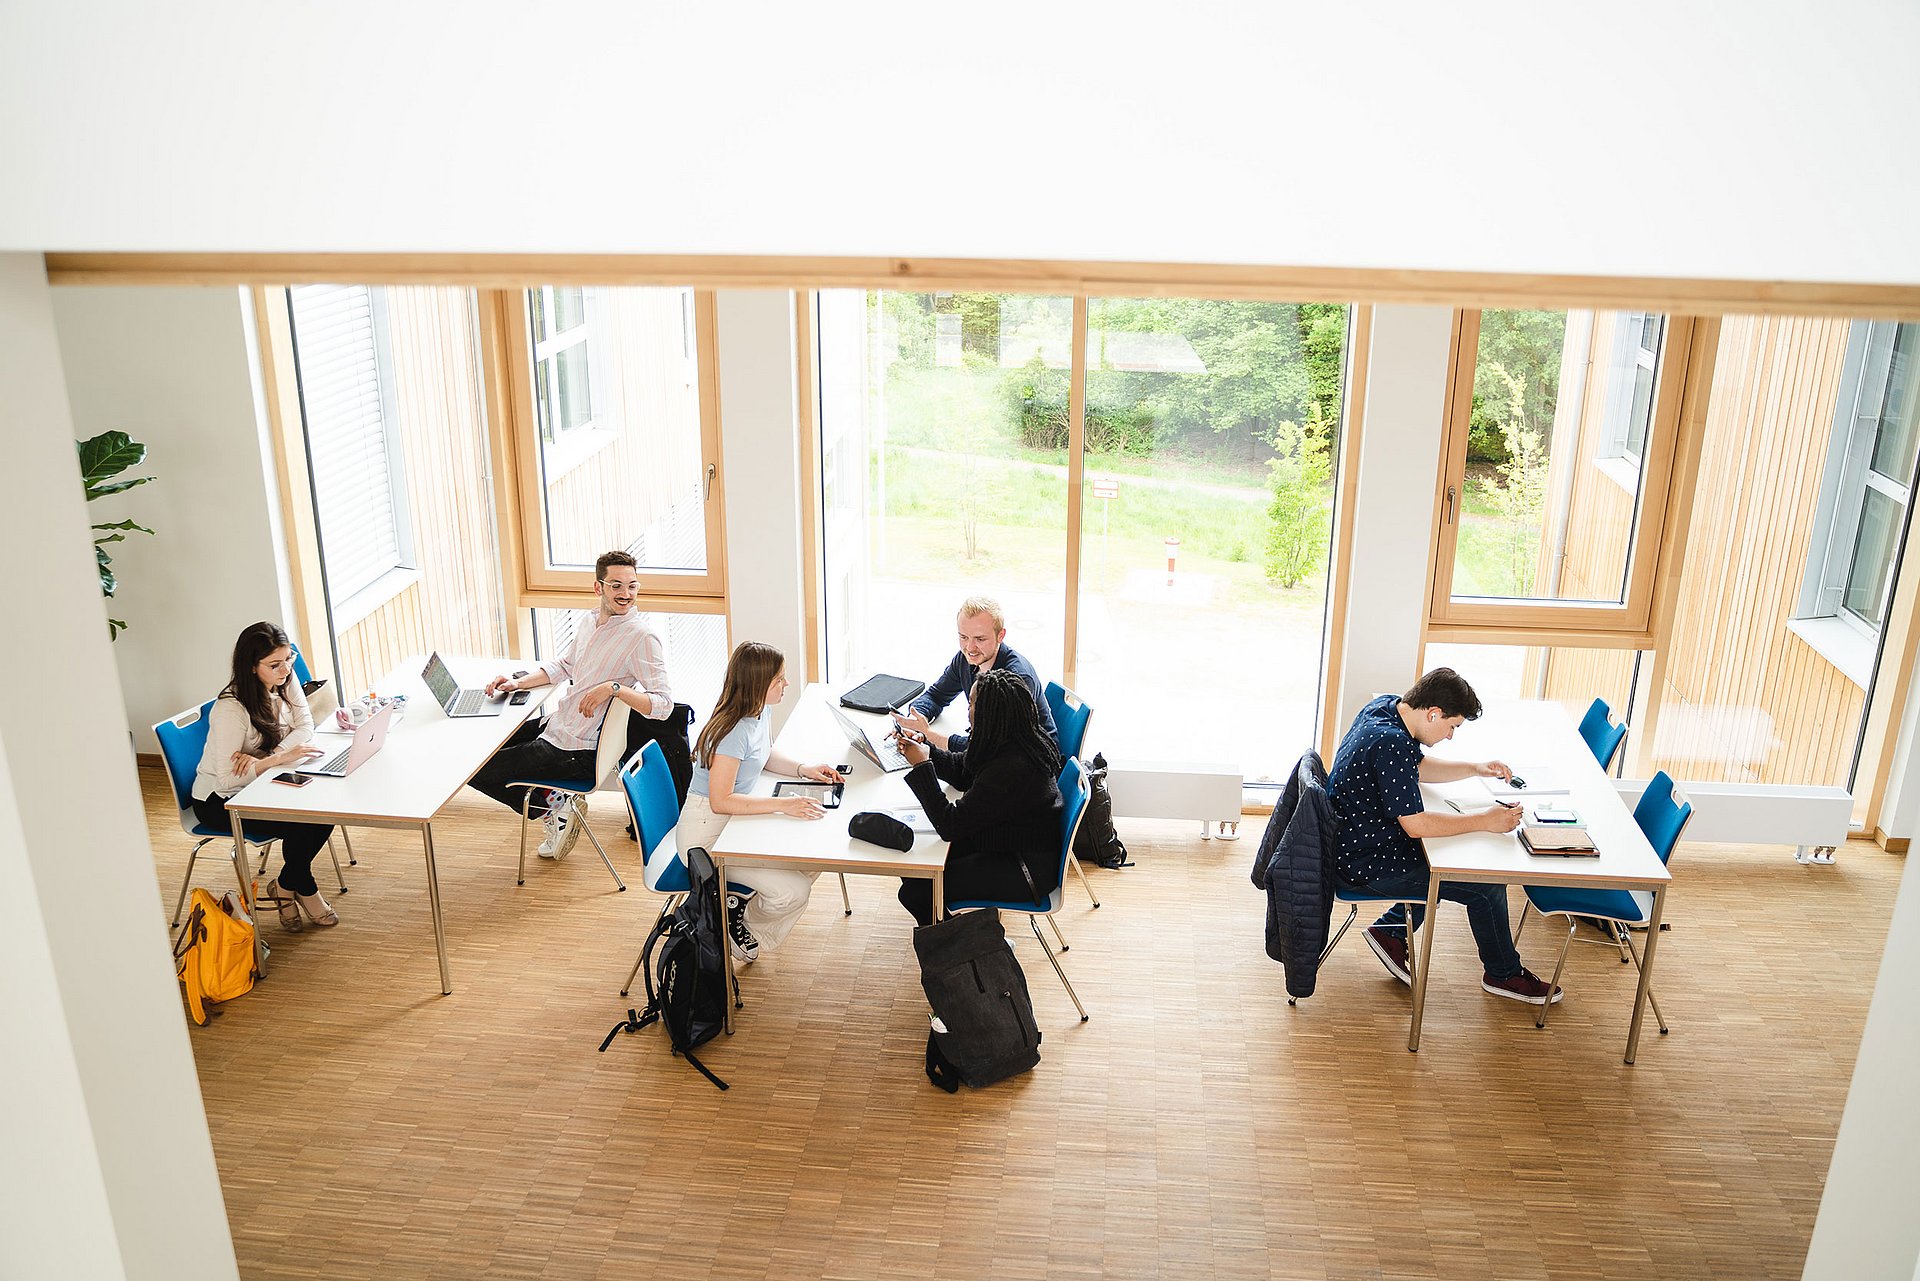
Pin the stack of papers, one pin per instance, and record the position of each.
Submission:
(915, 817)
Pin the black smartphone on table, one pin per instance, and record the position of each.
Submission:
(293, 780)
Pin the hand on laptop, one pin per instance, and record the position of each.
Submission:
(500, 685)
(913, 747)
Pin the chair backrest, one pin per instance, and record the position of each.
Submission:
(183, 741)
(1071, 716)
(301, 672)
(1603, 737)
(612, 742)
(650, 799)
(1663, 813)
(1073, 790)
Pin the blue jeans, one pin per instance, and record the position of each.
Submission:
(1486, 912)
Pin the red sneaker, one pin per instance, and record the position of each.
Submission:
(1392, 951)
(1523, 986)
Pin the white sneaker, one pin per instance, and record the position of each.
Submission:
(563, 829)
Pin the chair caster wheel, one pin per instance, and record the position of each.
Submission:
(1292, 1001)
(1664, 1031)
(623, 889)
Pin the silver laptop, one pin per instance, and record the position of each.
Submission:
(884, 754)
(455, 701)
(368, 739)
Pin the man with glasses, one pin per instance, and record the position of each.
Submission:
(613, 655)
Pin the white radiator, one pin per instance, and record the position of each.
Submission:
(1815, 819)
(1203, 790)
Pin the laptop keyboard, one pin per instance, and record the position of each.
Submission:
(332, 765)
(891, 757)
(468, 702)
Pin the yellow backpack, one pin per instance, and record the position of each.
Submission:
(214, 955)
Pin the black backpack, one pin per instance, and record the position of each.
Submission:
(983, 1028)
(690, 997)
(1096, 841)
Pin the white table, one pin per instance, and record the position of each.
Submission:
(426, 760)
(812, 737)
(1524, 734)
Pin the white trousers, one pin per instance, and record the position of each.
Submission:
(779, 896)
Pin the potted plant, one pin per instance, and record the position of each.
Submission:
(101, 459)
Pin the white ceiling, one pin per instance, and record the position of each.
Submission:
(1689, 139)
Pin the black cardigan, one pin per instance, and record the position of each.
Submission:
(1011, 806)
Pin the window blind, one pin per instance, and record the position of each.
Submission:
(349, 435)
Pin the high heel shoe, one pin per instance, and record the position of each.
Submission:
(283, 901)
(317, 909)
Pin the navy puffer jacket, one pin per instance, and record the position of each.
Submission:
(1294, 865)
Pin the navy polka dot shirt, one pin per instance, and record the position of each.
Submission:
(1375, 782)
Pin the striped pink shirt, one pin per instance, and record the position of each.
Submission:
(621, 649)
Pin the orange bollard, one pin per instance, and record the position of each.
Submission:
(1173, 554)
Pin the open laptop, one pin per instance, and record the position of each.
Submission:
(455, 701)
(884, 754)
(368, 739)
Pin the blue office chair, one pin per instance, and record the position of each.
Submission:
(655, 806)
(183, 740)
(1073, 786)
(1663, 813)
(1071, 716)
(1603, 737)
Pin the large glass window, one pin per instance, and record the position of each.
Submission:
(950, 428)
(943, 474)
(1542, 402)
(395, 426)
(1211, 433)
(621, 450)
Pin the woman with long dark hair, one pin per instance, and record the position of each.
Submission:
(1008, 815)
(728, 757)
(261, 723)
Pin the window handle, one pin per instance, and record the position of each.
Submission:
(1450, 497)
(709, 492)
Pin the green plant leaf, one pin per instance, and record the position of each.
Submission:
(118, 486)
(110, 538)
(108, 454)
(114, 627)
(121, 524)
(107, 580)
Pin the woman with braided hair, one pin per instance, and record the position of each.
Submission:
(1004, 831)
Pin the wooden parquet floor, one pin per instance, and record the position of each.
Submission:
(365, 1126)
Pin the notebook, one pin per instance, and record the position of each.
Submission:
(1527, 781)
(1558, 839)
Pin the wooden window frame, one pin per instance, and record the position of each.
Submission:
(534, 582)
(1627, 625)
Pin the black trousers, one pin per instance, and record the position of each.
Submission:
(981, 874)
(299, 842)
(527, 755)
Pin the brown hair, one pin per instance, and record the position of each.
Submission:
(750, 670)
(1447, 690)
(246, 689)
(608, 560)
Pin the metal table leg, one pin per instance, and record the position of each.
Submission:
(246, 892)
(433, 901)
(726, 948)
(1646, 973)
(939, 895)
(1426, 952)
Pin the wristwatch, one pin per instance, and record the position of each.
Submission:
(616, 689)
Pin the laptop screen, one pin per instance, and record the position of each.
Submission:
(439, 680)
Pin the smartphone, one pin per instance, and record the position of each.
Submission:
(292, 780)
(519, 697)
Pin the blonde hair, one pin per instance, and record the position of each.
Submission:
(750, 670)
(984, 605)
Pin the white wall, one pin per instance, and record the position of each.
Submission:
(107, 1169)
(1867, 1226)
(761, 455)
(170, 368)
(1393, 517)
(1352, 135)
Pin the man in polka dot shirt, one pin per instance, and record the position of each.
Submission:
(1375, 791)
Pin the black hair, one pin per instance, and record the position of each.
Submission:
(1447, 690)
(246, 689)
(1006, 719)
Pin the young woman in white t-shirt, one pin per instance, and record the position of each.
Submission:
(728, 757)
(259, 724)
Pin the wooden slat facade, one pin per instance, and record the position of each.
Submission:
(456, 604)
(1744, 699)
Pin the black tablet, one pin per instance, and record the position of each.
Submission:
(828, 794)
